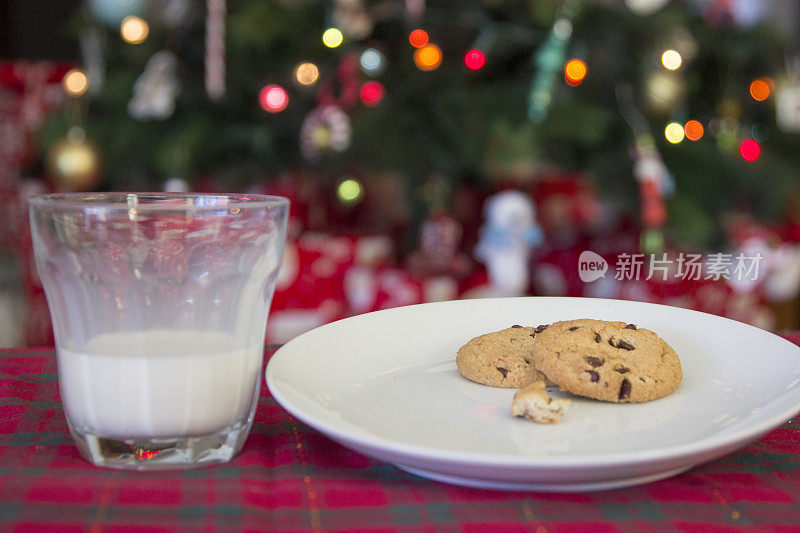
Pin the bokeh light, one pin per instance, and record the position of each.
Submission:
(134, 30)
(674, 132)
(273, 98)
(694, 130)
(760, 89)
(474, 59)
(428, 58)
(418, 38)
(350, 191)
(332, 37)
(372, 93)
(75, 82)
(750, 150)
(372, 62)
(306, 73)
(574, 72)
(671, 59)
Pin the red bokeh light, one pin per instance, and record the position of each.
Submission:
(372, 93)
(273, 98)
(474, 59)
(418, 38)
(750, 150)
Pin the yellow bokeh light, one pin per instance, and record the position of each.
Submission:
(332, 37)
(306, 73)
(134, 30)
(349, 190)
(574, 71)
(671, 59)
(760, 89)
(674, 132)
(75, 82)
(427, 58)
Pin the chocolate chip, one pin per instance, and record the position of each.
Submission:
(503, 371)
(625, 346)
(643, 381)
(631, 326)
(594, 361)
(516, 326)
(611, 342)
(540, 328)
(533, 334)
(597, 337)
(622, 369)
(595, 377)
(625, 390)
(573, 328)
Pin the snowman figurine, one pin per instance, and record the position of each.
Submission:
(507, 237)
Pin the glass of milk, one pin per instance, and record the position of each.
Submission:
(159, 306)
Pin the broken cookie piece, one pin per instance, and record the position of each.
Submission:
(533, 403)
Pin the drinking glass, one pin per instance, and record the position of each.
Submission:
(159, 306)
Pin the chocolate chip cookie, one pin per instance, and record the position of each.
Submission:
(610, 361)
(533, 403)
(501, 358)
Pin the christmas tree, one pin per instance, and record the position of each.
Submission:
(678, 112)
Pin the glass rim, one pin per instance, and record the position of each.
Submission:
(156, 201)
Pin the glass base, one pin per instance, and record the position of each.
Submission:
(163, 453)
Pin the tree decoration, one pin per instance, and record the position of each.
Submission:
(215, 49)
(74, 163)
(325, 129)
(343, 90)
(352, 18)
(155, 91)
(548, 61)
(111, 12)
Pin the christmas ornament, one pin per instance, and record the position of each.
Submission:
(215, 49)
(134, 30)
(664, 90)
(74, 163)
(325, 128)
(548, 61)
(645, 7)
(155, 91)
(507, 237)
(343, 91)
(787, 99)
(352, 18)
(111, 12)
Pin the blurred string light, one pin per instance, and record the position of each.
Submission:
(693, 130)
(418, 38)
(474, 59)
(674, 132)
(372, 93)
(428, 58)
(273, 98)
(75, 82)
(574, 72)
(671, 59)
(350, 191)
(372, 62)
(332, 37)
(306, 73)
(134, 30)
(760, 89)
(750, 149)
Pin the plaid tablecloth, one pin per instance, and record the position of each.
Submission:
(289, 477)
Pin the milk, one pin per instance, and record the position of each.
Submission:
(158, 383)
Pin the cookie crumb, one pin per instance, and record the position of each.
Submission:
(533, 403)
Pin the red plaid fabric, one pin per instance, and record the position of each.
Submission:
(288, 477)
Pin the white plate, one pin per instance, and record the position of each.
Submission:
(386, 384)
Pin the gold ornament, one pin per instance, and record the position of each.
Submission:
(74, 163)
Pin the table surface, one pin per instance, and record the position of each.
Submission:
(289, 477)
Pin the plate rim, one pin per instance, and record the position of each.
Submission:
(705, 446)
